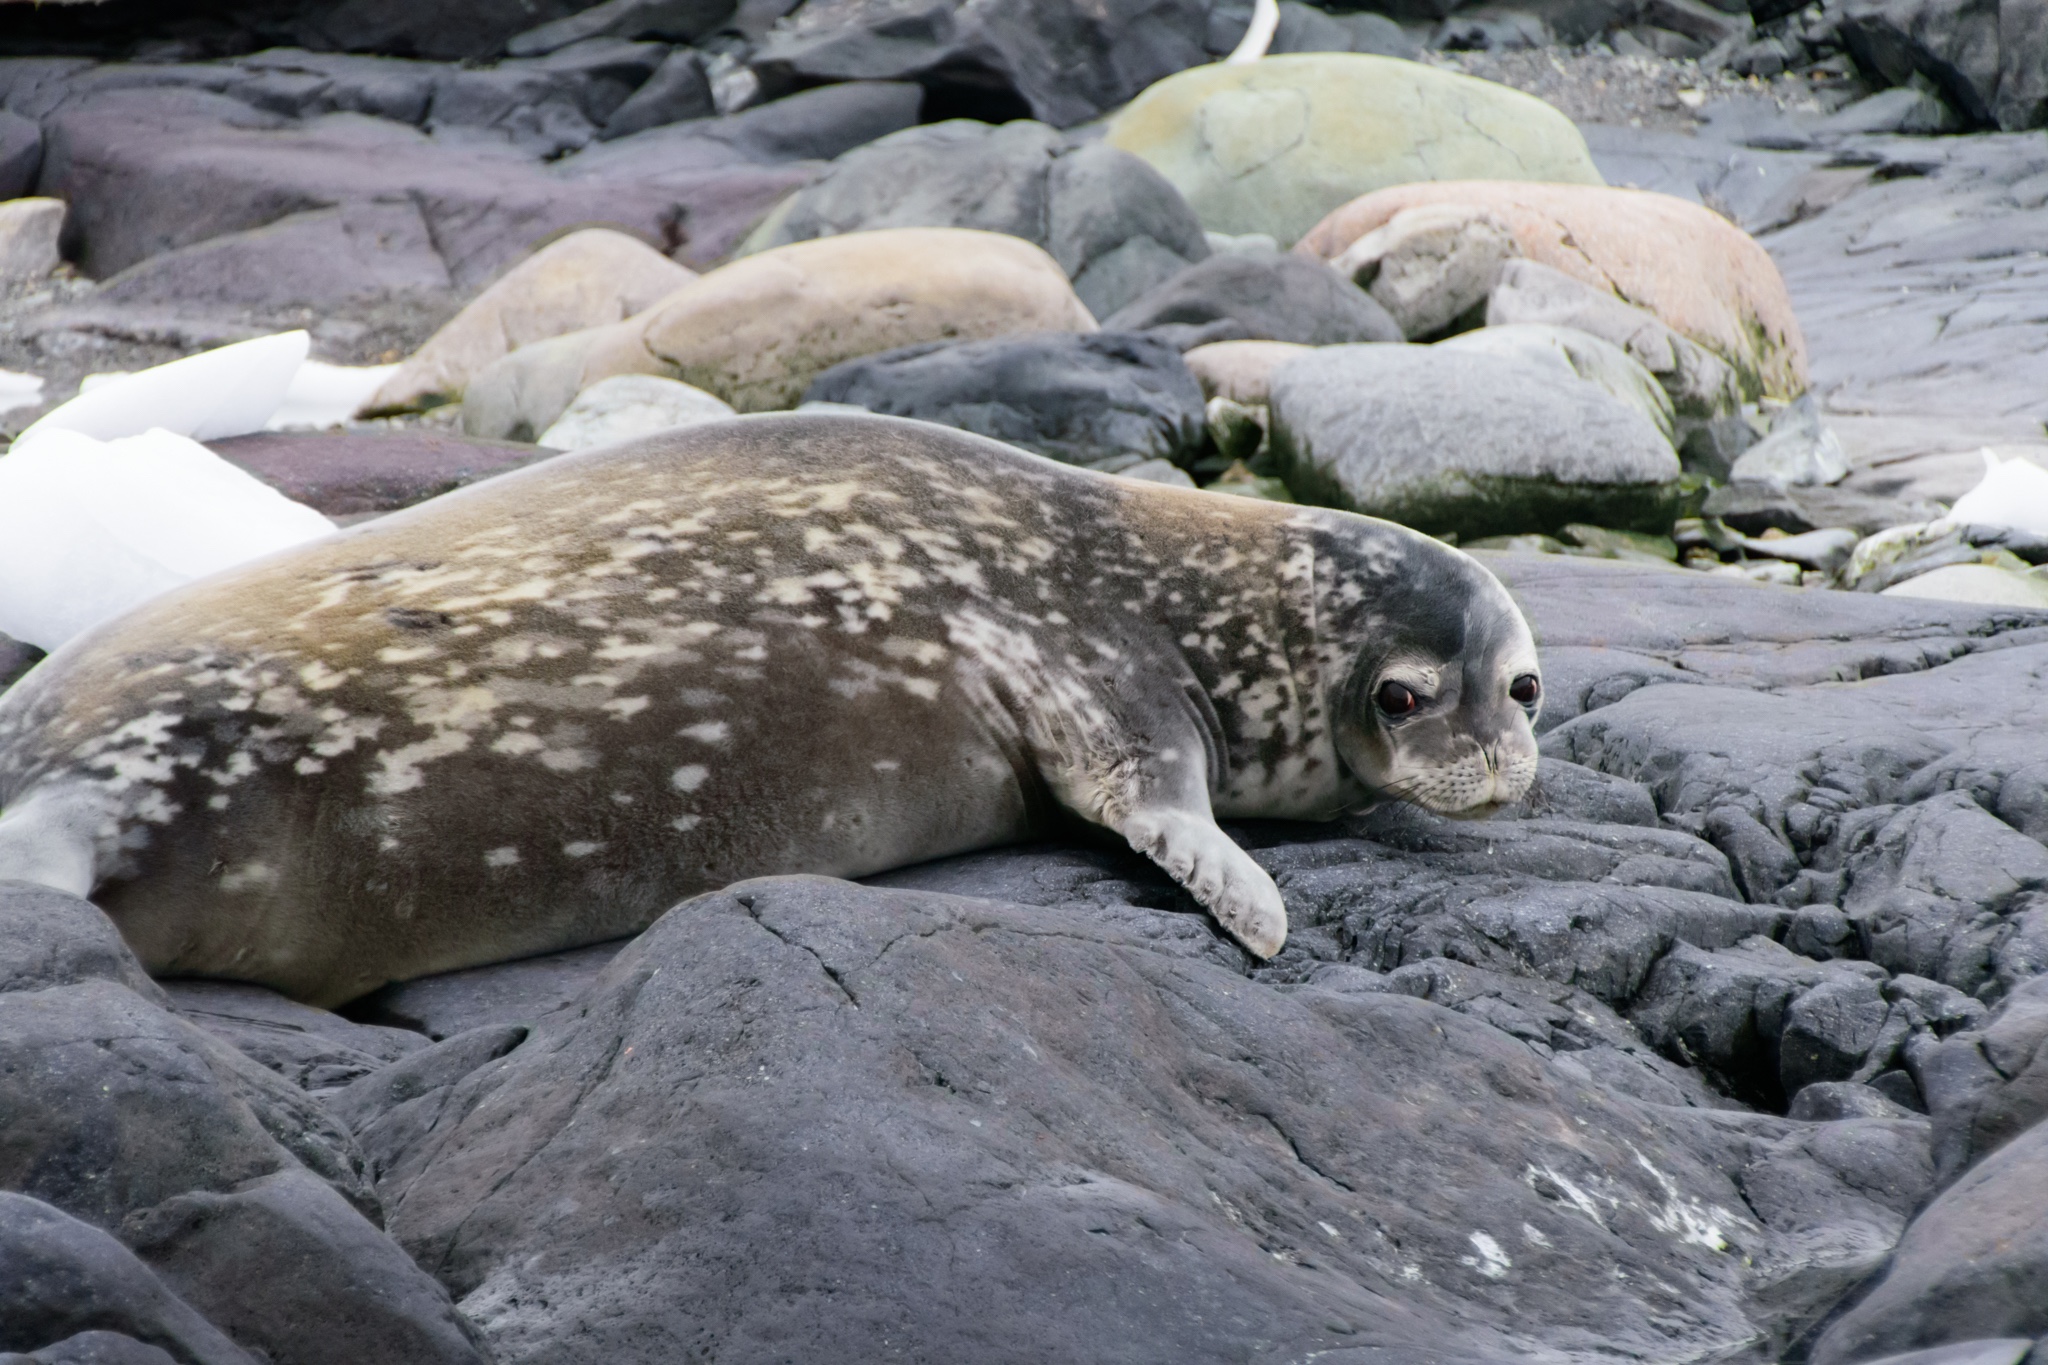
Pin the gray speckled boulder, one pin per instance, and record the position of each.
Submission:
(1447, 440)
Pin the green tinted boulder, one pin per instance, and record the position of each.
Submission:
(1275, 145)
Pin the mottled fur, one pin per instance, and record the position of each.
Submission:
(539, 711)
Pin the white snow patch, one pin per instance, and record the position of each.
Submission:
(1491, 1261)
(91, 527)
(229, 391)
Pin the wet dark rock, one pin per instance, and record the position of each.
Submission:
(1086, 399)
(350, 474)
(1267, 297)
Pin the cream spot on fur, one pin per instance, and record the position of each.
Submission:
(710, 732)
(686, 823)
(624, 708)
(518, 742)
(886, 765)
(396, 654)
(689, 777)
(502, 857)
(581, 848)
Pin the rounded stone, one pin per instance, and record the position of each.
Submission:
(758, 331)
(585, 279)
(1701, 275)
(1275, 145)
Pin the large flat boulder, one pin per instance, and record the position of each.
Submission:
(1467, 442)
(1275, 145)
(891, 1095)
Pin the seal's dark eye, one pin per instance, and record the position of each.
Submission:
(1394, 699)
(1525, 689)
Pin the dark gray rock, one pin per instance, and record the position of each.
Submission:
(1273, 297)
(1099, 398)
(1984, 1088)
(1833, 1101)
(61, 1278)
(1829, 1031)
(861, 1060)
(1839, 1194)
(1995, 1351)
(130, 1106)
(1306, 29)
(1112, 222)
(1059, 61)
(350, 474)
(1973, 1266)
(16, 658)
(1743, 1014)
(675, 21)
(678, 91)
(1463, 442)
(313, 1049)
(211, 206)
(48, 938)
(440, 31)
(1954, 43)
(815, 125)
(21, 154)
(1761, 862)
(96, 1348)
(395, 1112)
(509, 993)
(284, 1265)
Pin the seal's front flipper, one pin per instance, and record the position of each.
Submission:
(1222, 876)
(51, 841)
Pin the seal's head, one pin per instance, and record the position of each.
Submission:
(1439, 707)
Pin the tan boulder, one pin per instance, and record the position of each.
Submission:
(1704, 277)
(523, 394)
(586, 279)
(758, 331)
(1240, 370)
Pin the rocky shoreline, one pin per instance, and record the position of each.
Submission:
(1730, 1043)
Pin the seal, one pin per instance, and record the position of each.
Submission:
(538, 711)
